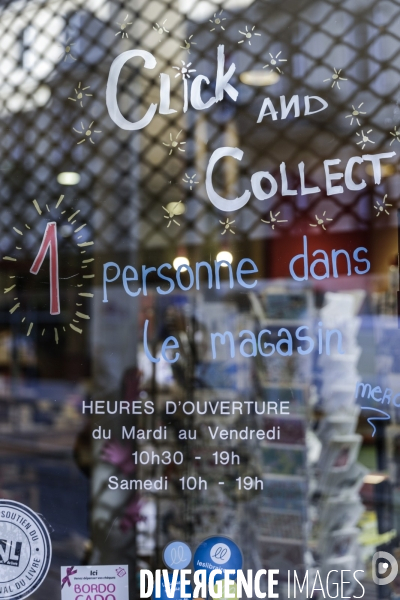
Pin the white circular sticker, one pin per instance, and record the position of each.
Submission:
(220, 553)
(25, 551)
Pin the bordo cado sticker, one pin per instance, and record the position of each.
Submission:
(25, 551)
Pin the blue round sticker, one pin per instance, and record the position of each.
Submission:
(177, 591)
(218, 552)
(177, 555)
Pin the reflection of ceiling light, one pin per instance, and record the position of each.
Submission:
(225, 255)
(27, 96)
(68, 178)
(387, 170)
(175, 208)
(180, 260)
(200, 10)
(374, 478)
(259, 78)
(42, 95)
(66, 230)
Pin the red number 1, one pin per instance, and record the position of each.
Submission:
(50, 240)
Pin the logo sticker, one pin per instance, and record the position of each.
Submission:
(25, 551)
(218, 552)
(177, 555)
